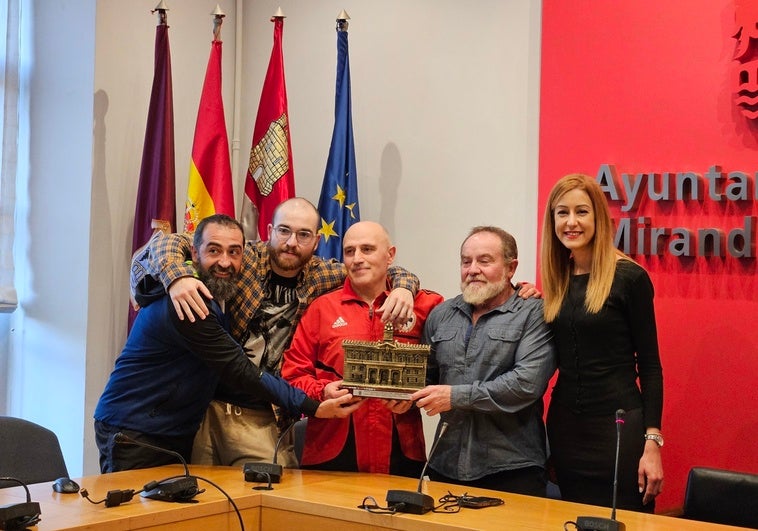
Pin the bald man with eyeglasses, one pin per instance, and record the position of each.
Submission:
(279, 279)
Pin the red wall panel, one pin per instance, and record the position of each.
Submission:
(647, 87)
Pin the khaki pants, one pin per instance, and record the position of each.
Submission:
(231, 435)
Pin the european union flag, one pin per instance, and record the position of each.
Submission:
(338, 204)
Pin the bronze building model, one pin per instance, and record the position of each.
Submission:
(384, 369)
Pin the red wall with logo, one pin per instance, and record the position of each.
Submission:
(648, 87)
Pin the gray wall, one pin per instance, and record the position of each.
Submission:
(445, 111)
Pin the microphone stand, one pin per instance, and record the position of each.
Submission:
(594, 523)
(415, 502)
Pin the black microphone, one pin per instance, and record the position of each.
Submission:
(15, 516)
(175, 489)
(267, 472)
(415, 502)
(594, 523)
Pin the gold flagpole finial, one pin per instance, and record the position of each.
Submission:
(279, 13)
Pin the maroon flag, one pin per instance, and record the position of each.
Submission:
(156, 195)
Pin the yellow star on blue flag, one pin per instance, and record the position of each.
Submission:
(326, 230)
(339, 196)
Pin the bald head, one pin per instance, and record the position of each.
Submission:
(368, 253)
(368, 229)
(296, 211)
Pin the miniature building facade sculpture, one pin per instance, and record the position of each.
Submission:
(384, 369)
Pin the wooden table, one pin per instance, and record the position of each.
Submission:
(306, 500)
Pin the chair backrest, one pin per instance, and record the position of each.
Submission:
(29, 452)
(722, 497)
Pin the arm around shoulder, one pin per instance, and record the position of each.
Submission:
(402, 278)
(168, 256)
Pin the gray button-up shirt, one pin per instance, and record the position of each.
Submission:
(499, 370)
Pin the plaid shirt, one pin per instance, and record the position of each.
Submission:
(167, 262)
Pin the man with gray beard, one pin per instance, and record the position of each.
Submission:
(491, 360)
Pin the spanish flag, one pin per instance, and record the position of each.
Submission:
(210, 179)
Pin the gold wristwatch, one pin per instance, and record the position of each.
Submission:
(657, 437)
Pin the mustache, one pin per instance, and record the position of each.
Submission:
(291, 249)
(219, 269)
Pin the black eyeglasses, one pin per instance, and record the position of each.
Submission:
(303, 237)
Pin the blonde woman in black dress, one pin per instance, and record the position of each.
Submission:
(599, 303)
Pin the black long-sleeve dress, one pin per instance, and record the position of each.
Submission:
(607, 361)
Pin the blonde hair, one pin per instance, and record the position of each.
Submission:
(556, 259)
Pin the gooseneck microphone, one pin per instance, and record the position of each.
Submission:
(267, 472)
(443, 428)
(174, 489)
(16, 516)
(619, 422)
(415, 502)
(593, 523)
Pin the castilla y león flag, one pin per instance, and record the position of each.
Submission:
(270, 179)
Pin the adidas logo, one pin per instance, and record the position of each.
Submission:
(339, 322)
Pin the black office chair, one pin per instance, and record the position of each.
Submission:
(29, 452)
(722, 497)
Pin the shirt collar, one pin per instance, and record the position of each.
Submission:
(349, 294)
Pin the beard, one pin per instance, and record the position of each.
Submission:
(221, 288)
(288, 263)
(477, 294)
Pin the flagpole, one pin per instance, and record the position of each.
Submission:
(237, 98)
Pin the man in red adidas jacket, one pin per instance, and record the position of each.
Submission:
(383, 436)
